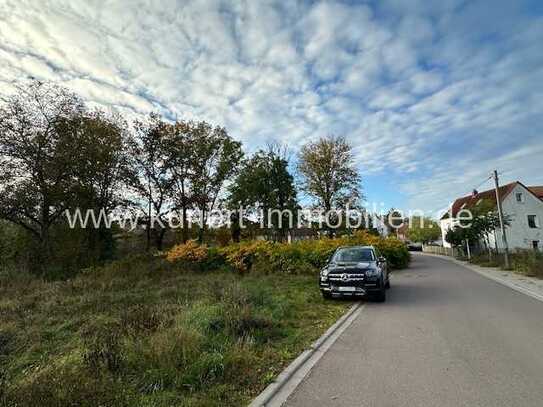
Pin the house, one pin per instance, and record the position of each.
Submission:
(401, 232)
(524, 206)
(379, 223)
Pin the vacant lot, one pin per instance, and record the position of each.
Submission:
(141, 332)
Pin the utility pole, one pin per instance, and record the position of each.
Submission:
(500, 215)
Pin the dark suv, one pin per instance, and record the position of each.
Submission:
(355, 271)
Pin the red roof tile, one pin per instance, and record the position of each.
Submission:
(470, 201)
(537, 191)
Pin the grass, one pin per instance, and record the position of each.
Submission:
(525, 262)
(141, 332)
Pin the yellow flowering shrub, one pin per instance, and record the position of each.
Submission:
(190, 251)
(243, 255)
(299, 257)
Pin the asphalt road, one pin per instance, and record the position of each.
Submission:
(445, 337)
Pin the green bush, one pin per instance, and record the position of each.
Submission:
(301, 257)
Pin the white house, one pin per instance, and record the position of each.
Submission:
(524, 206)
(380, 225)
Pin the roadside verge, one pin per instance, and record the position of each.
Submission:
(286, 382)
(530, 286)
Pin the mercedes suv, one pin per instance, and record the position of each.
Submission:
(355, 271)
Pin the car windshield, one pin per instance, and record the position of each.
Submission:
(353, 255)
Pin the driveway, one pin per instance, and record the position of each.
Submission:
(445, 337)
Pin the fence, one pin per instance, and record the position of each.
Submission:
(445, 251)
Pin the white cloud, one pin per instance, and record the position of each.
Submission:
(424, 90)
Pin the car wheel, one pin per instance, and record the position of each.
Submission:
(326, 295)
(381, 296)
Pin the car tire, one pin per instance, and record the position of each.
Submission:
(326, 295)
(381, 296)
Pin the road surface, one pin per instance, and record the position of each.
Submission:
(445, 337)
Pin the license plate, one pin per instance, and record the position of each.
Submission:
(347, 288)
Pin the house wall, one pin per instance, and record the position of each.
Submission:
(519, 234)
(445, 225)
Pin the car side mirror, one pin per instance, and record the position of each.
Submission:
(382, 259)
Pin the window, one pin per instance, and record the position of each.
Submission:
(353, 255)
(535, 244)
(520, 197)
(532, 222)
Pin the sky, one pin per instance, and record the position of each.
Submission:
(433, 95)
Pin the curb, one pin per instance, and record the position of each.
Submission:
(501, 281)
(286, 382)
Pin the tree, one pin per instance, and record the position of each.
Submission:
(101, 168)
(181, 155)
(37, 179)
(264, 182)
(151, 177)
(216, 159)
(456, 236)
(422, 229)
(394, 220)
(484, 221)
(328, 173)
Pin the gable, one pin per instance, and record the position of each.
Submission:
(471, 201)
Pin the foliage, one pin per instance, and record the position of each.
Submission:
(56, 156)
(264, 182)
(216, 158)
(242, 256)
(528, 262)
(394, 219)
(423, 230)
(36, 175)
(151, 177)
(139, 333)
(484, 221)
(328, 172)
(188, 252)
(306, 256)
(456, 236)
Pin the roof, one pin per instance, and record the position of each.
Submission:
(469, 201)
(537, 191)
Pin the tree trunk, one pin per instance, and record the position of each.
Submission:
(185, 231)
(159, 238)
(202, 228)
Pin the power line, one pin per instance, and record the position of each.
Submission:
(477, 187)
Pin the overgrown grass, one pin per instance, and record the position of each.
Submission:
(526, 262)
(141, 332)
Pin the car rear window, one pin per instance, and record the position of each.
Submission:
(353, 255)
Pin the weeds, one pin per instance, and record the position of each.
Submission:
(526, 262)
(144, 332)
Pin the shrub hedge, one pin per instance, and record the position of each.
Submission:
(306, 256)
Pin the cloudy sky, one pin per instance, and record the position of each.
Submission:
(432, 94)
